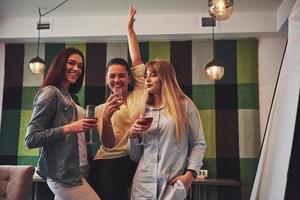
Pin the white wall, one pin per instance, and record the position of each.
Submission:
(270, 52)
(149, 27)
(271, 176)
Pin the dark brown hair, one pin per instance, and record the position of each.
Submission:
(57, 70)
(123, 62)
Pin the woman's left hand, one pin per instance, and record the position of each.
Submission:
(186, 179)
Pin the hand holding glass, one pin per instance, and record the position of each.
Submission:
(90, 114)
(147, 119)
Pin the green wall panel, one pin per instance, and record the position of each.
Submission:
(23, 150)
(248, 96)
(28, 160)
(204, 96)
(51, 51)
(211, 165)
(209, 129)
(9, 134)
(248, 169)
(159, 50)
(28, 95)
(247, 61)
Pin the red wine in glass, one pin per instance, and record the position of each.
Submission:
(146, 121)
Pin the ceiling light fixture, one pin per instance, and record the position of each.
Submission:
(214, 70)
(37, 65)
(220, 9)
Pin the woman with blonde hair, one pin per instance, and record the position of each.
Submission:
(173, 144)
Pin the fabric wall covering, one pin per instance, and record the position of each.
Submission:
(228, 108)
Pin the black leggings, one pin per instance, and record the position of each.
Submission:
(112, 178)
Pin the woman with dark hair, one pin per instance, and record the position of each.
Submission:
(57, 126)
(112, 170)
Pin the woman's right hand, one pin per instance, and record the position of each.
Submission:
(80, 125)
(112, 104)
(138, 127)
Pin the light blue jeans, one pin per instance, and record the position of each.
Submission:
(80, 192)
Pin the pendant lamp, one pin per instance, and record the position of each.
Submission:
(37, 65)
(214, 70)
(220, 9)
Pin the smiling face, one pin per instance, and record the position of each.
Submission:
(152, 82)
(117, 78)
(73, 69)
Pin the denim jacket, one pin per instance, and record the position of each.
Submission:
(59, 156)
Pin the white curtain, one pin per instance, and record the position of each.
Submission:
(271, 176)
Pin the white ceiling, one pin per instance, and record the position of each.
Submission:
(29, 8)
(102, 20)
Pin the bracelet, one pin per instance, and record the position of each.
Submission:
(194, 173)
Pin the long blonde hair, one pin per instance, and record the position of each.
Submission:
(173, 99)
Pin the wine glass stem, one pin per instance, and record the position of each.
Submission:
(91, 136)
(143, 139)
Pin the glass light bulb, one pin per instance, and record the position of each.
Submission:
(219, 4)
(37, 65)
(220, 9)
(214, 70)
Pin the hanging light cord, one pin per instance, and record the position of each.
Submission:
(213, 41)
(40, 16)
(39, 31)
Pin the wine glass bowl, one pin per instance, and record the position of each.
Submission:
(90, 114)
(146, 120)
(120, 94)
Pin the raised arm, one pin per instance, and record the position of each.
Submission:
(133, 44)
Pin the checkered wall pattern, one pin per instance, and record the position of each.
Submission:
(228, 108)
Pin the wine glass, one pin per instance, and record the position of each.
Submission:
(90, 114)
(120, 95)
(147, 117)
